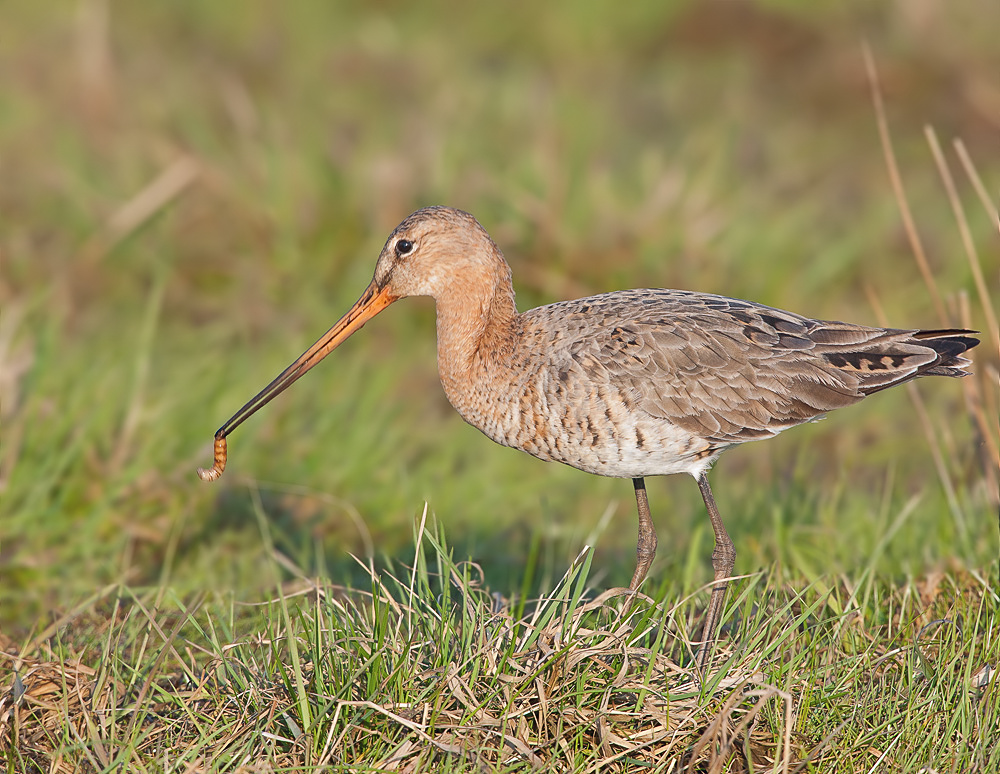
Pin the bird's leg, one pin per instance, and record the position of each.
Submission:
(646, 547)
(723, 561)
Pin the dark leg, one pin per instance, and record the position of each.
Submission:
(723, 561)
(646, 547)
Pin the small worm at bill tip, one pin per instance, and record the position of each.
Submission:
(213, 473)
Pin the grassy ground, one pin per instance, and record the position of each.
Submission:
(192, 195)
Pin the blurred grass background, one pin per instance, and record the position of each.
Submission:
(192, 193)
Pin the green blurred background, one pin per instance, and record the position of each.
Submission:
(193, 192)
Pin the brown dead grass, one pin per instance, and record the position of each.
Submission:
(580, 696)
(58, 715)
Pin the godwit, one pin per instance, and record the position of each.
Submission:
(628, 384)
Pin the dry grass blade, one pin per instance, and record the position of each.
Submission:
(968, 242)
(170, 183)
(983, 418)
(45, 695)
(16, 358)
(722, 733)
(986, 426)
(985, 410)
(416, 728)
(900, 192)
(977, 183)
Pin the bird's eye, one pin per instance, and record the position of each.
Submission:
(404, 247)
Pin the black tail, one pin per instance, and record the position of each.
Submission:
(896, 356)
(949, 345)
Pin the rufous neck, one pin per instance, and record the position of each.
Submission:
(477, 329)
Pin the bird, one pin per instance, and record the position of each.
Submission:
(625, 384)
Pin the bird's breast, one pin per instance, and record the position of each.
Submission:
(559, 412)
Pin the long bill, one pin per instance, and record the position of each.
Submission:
(372, 301)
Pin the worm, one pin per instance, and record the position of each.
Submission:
(213, 473)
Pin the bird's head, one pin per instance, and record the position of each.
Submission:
(434, 252)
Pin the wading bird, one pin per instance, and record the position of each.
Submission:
(628, 384)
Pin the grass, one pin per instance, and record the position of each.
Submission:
(430, 670)
(191, 196)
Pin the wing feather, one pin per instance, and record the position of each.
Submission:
(730, 370)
